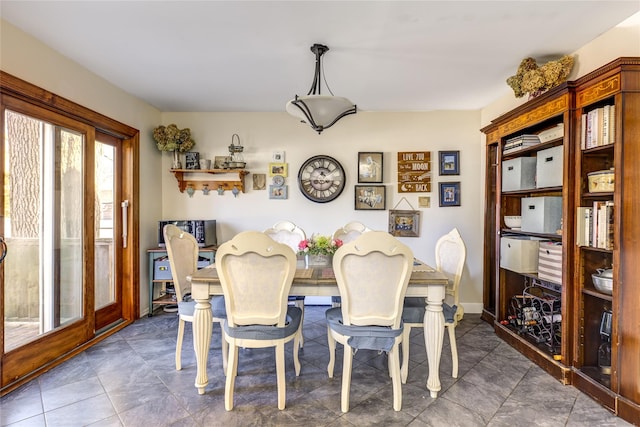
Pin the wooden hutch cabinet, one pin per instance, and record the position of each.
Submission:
(517, 288)
(576, 332)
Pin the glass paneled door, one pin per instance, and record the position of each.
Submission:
(60, 274)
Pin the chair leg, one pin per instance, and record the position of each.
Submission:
(296, 343)
(225, 349)
(282, 391)
(179, 344)
(232, 371)
(404, 370)
(300, 305)
(346, 377)
(394, 363)
(454, 350)
(332, 353)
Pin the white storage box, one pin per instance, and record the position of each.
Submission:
(550, 262)
(519, 254)
(519, 174)
(541, 214)
(549, 167)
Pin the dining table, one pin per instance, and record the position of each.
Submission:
(425, 282)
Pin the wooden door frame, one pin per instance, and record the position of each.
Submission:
(24, 91)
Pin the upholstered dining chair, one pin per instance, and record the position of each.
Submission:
(347, 233)
(372, 273)
(450, 257)
(291, 235)
(182, 249)
(256, 274)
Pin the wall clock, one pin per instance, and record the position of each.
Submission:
(321, 179)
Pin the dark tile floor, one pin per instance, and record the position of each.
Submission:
(130, 380)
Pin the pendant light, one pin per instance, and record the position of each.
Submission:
(320, 111)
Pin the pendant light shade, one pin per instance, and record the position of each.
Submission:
(320, 111)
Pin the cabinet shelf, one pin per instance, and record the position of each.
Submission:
(598, 150)
(532, 191)
(549, 236)
(596, 294)
(598, 195)
(186, 177)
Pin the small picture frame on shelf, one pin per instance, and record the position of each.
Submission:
(278, 169)
(278, 192)
(449, 162)
(370, 197)
(192, 160)
(370, 166)
(220, 162)
(449, 194)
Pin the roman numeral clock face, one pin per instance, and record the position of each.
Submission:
(321, 179)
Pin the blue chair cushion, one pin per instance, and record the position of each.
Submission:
(414, 308)
(267, 332)
(186, 308)
(380, 338)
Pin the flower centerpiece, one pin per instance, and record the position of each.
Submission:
(534, 80)
(319, 249)
(170, 138)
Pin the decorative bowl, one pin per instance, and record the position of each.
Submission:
(514, 222)
(603, 281)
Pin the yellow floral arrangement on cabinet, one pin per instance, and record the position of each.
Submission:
(534, 80)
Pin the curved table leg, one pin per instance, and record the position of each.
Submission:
(433, 336)
(202, 328)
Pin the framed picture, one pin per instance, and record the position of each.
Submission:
(449, 162)
(192, 160)
(219, 162)
(424, 202)
(370, 167)
(278, 169)
(278, 192)
(404, 223)
(259, 181)
(370, 197)
(278, 156)
(450, 194)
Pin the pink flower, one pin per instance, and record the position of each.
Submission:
(304, 244)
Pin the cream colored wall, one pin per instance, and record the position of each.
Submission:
(30, 60)
(263, 133)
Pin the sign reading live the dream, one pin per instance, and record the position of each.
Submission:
(414, 172)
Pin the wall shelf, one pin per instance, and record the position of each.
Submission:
(185, 178)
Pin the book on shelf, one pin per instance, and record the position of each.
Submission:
(597, 127)
(612, 124)
(583, 132)
(595, 225)
(583, 219)
(520, 142)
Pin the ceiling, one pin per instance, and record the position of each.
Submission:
(253, 56)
